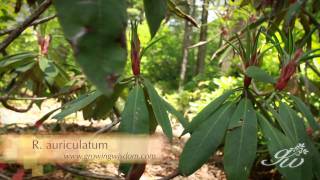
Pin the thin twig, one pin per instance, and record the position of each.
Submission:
(71, 91)
(14, 34)
(8, 106)
(108, 127)
(36, 22)
(171, 176)
(85, 173)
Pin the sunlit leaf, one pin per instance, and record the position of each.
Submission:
(155, 13)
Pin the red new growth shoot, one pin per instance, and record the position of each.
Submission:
(135, 51)
(253, 62)
(44, 43)
(288, 70)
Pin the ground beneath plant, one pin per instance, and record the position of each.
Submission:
(23, 122)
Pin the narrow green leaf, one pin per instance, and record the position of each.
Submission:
(155, 12)
(205, 140)
(241, 142)
(306, 112)
(184, 122)
(259, 74)
(99, 48)
(16, 61)
(207, 111)
(77, 104)
(159, 109)
(135, 116)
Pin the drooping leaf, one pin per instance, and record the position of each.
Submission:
(135, 116)
(159, 110)
(155, 13)
(99, 48)
(306, 112)
(298, 135)
(241, 142)
(296, 125)
(207, 111)
(259, 74)
(276, 141)
(205, 140)
(184, 122)
(77, 104)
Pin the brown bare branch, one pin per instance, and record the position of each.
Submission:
(14, 34)
(36, 22)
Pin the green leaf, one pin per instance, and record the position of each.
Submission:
(295, 127)
(305, 111)
(135, 116)
(205, 140)
(100, 108)
(96, 30)
(207, 111)
(49, 69)
(16, 61)
(77, 104)
(241, 142)
(276, 141)
(160, 111)
(184, 122)
(155, 12)
(259, 74)
(294, 124)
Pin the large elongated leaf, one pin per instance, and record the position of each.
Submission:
(159, 109)
(77, 104)
(96, 30)
(155, 13)
(205, 140)
(135, 116)
(260, 75)
(306, 112)
(297, 128)
(184, 122)
(298, 134)
(241, 142)
(276, 141)
(207, 111)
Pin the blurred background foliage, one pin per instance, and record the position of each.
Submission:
(162, 62)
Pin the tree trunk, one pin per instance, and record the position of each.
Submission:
(203, 37)
(185, 44)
